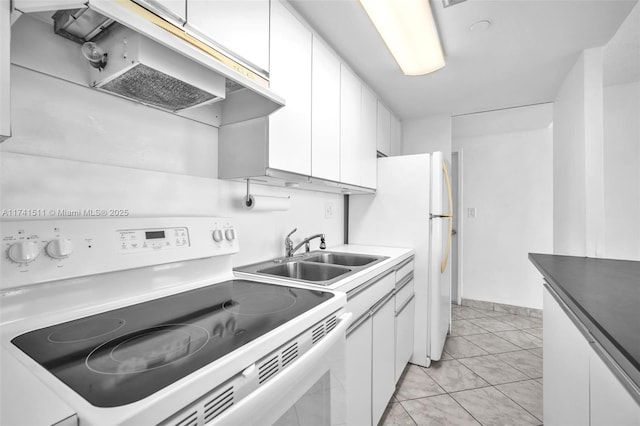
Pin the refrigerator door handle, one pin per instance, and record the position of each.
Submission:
(449, 216)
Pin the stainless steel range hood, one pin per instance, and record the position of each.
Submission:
(155, 62)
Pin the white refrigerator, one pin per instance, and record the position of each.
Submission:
(411, 208)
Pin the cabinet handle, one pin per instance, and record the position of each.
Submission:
(357, 323)
(406, 280)
(382, 302)
(404, 263)
(623, 377)
(572, 316)
(405, 304)
(351, 293)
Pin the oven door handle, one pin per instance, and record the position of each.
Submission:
(280, 393)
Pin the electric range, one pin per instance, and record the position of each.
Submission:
(140, 321)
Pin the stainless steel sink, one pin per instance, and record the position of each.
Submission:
(346, 259)
(317, 267)
(305, 271)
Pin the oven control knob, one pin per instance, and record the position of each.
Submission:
(230, 234)
(217, 236)
(60, 248)
(23, 252)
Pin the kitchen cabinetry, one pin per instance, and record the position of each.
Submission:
(5, 67)
(173, 9)
(382, 356)
(325, 117)
(579, 388)
(240, 27)
(383, 136)
(358, 117)
(379, 341)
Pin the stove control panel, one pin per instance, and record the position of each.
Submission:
(47, 250)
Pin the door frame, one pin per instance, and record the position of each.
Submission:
(460, 223)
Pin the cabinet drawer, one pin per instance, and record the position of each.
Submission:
(363, 297)
(404, 291)
(403, 269)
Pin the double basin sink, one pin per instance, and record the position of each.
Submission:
(317, 267)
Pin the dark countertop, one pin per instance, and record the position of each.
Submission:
(604, 295)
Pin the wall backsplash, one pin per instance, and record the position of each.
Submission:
(76, 148)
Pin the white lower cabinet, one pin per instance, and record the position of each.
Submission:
(5, 65)
(383, 381)
(579, 388)
(359, 363)
(405, 319)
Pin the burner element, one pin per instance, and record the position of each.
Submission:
(85, 330)
(260, 303)
(147, 349)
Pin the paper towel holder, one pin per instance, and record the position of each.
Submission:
(249, 200)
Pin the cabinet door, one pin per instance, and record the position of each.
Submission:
(367, 146)
(382, 358)
(405, 322)
(240, 27)
(325, 113)
(5, 67)
(610, 402)
(565, 368)
(383, 135)
(290, 126)
(350, 104)
(396, 136)
(358, 369)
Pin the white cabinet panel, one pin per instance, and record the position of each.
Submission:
(367, 145)
(325, 113)
(610, 401)
(350, 94)
(290, 127)
(383, 135)
(359, 374)
(383, 358)
(240, 27)
(396, 136)
(405, 322)
(565, 368)
(5, 67)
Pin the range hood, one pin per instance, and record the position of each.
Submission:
(155, 62)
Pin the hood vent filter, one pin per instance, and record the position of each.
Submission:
(142, 70)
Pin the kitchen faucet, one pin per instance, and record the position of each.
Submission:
(290, 249)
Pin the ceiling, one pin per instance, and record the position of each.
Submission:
(520, 60)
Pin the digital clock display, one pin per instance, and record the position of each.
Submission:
(151, 235)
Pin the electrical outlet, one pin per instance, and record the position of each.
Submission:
(471, 212)
(329, 210)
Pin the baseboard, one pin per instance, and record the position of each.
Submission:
(501, 307)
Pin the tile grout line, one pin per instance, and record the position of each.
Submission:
(516, 402)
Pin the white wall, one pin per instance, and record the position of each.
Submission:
(427, 134)
(622, 171)
(83, 147)
(578, 208)
(508, 178)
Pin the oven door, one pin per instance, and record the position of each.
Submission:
(309, 392)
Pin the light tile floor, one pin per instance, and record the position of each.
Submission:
(490, 374)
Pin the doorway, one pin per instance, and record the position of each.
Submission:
(456, 258)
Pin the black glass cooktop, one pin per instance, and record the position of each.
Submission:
(124, 355)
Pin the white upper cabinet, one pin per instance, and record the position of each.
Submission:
(290, 127)
(240, 27)
(325, 108)
(358, 123)
(384, 130)
(350, 94)
(396, 136)
(5, 67)
(367, 146)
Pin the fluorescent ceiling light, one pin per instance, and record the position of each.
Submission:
(409, 31)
